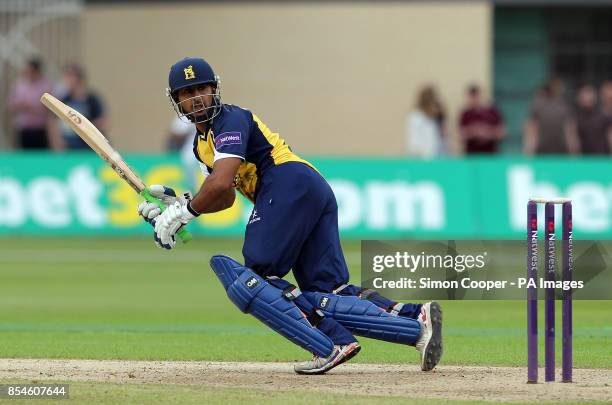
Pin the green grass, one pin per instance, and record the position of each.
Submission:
(127, 299)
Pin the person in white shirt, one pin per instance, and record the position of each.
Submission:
(425, 126)
(180, 138)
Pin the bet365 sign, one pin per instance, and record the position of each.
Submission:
(377, 198)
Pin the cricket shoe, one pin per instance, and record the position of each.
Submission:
(430, 341)
(320, 365)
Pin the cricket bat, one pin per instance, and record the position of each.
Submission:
(96, 141)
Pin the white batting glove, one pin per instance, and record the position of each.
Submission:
(169, 222)
(149, 210)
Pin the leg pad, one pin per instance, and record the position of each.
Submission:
(364, 318)
(254, 295)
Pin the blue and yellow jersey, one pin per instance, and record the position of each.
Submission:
(237, 132)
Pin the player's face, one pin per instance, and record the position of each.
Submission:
(196, 99)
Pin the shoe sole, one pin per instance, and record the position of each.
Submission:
(433, 351)
(346, 357)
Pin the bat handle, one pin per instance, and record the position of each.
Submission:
(183, 233)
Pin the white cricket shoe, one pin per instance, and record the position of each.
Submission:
(320, 365)
(430, 341)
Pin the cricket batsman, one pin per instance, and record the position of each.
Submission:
(293, 226)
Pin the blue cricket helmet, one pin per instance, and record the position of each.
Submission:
(192, 72)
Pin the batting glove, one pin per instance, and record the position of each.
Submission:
(149, 210)
(169, 222)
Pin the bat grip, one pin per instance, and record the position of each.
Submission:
(183, 233)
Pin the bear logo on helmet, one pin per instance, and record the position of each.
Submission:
(189, 73)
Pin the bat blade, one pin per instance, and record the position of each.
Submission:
(94, 138)
(98, 142)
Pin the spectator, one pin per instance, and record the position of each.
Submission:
(606, 101)
(481, 126)
(594, 128)
(550, 128)
(29, 115)
(85, 101)
(606, 98)
(180, 132)
(425, 126)
(180, 139)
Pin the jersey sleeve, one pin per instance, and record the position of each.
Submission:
(232, 136)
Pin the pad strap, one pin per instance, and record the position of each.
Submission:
(339, 288)
(367, 294)
(395, 309)
(315, 317)
(291, 292)
(364, 293)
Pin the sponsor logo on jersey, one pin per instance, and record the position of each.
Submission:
(228, 138)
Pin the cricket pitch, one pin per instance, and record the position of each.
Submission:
(505, 384)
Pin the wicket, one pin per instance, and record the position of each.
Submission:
(550, 264)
